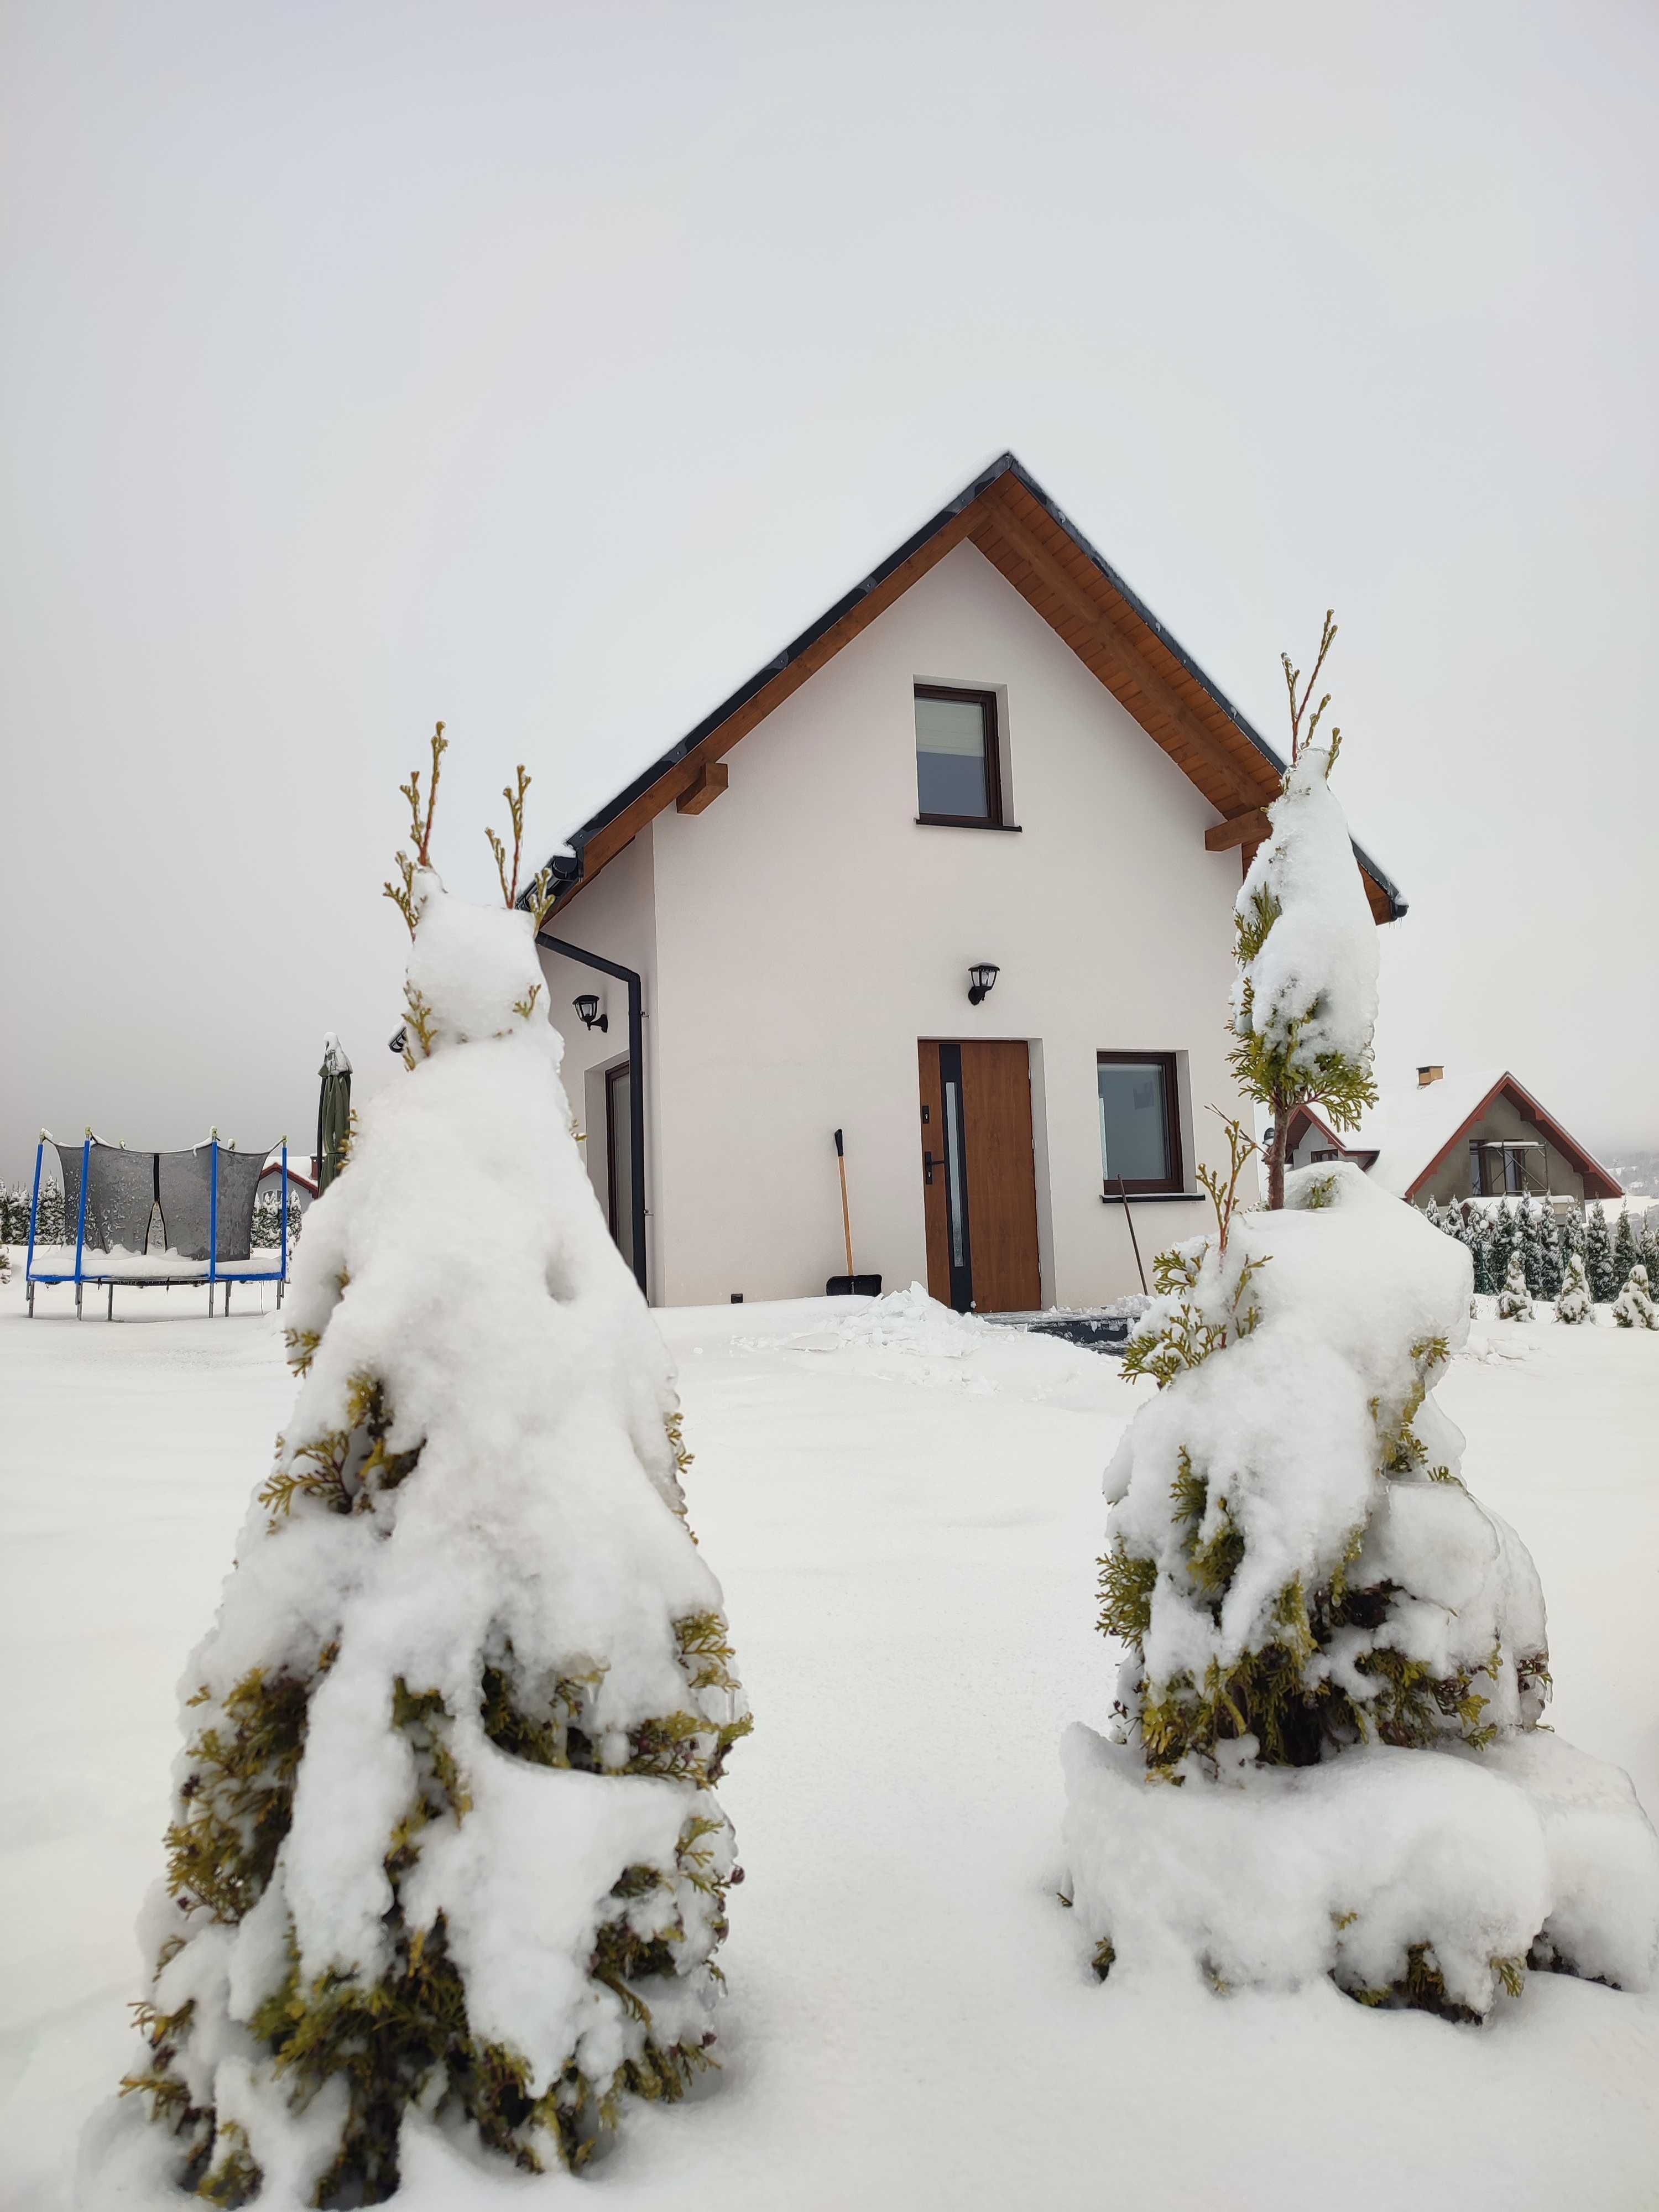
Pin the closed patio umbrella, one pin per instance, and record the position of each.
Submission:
(333, 1111)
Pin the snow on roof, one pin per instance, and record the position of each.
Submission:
(1410, 1131)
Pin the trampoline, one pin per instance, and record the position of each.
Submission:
(205, 1200)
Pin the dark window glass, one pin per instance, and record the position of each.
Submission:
(619, 1151)
(1139, 1136)
(957, 755)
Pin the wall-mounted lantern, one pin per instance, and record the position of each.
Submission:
(587, 1013)
(981, 977)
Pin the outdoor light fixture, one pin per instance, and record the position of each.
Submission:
(981, 976)
(588, 1014)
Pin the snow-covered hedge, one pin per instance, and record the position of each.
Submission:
(446, 1867)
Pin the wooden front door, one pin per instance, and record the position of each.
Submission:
(979, 1177)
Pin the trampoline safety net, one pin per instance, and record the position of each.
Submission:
(123, 1186)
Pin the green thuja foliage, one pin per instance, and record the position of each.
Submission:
(1272, 1058)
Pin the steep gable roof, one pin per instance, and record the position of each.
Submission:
(1414, 1133)
(1036, 546)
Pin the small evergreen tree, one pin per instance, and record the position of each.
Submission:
(1574, 1306)
(1626, 1250)
(1304, 1003)
(1298, 1578)
(1651, 1243)
(1598, 1256)
(1572, 1234)
(1532, 1244)
(1504, 1240)
(1543, 1274)
(1634, 1308)
(445, 1852)
(1514, 1300)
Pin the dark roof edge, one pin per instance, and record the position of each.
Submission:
(1006, 463)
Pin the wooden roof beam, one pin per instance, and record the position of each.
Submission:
(1131, 665)
(1247, 828)
(711, 780)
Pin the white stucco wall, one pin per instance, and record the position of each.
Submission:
(615, 917)
(808, 931)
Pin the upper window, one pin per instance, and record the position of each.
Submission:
(1140, 1121)
(958, 778)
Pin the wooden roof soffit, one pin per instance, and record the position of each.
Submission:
(1129, 667)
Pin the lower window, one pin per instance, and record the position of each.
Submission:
(1140, 1121)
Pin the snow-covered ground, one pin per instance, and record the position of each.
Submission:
(905, 1513)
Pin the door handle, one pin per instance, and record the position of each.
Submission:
(927, 1167)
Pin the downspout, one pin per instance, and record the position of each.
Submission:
(636, 1084)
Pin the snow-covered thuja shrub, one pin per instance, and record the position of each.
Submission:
(1314, 1612)
(1514, 1300)
(1325, 1757)
(1573, 1306)
(446, 1872)
(1634, 1308)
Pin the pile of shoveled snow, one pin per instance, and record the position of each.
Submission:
(908, 1337)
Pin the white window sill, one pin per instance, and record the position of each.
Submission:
(1151, 1197)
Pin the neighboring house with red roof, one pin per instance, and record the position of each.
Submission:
(1480, 1135)
(302, 1176)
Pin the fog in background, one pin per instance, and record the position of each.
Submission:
(546, 367)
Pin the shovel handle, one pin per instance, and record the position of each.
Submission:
(846, 1216)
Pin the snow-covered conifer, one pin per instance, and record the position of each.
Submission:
(1304, 1003)
(1575, 1305)
(1514, 1299)
(1331, 1647)
(1572, 1233)
(1538, 1248)
(1626, 1250)
(1651, 1241)
(1634, 1308)
(1598, 1256)
(446, 1873)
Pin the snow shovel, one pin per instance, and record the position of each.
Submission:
(849, 1285)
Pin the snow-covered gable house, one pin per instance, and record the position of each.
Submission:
(1476, 1135)
(953, 874)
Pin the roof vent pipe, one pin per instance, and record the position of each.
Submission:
(1428, 1075)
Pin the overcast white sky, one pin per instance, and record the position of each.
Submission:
(546, 367)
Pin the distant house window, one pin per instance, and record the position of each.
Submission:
(958, 778)
(1500, 1171)
(1326, 1155)
(1139, 1121)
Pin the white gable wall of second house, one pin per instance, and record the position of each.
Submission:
(809, 932)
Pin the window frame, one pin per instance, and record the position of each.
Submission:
(1174, 1183)
(991, 724)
